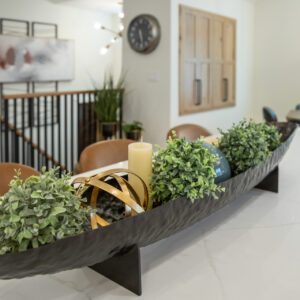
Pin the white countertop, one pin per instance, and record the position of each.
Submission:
(248, 251)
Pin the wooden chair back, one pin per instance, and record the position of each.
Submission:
(102, 154)
(8, 171)
(189, 131)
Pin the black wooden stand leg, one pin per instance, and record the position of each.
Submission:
(270, 183)
(124, 269)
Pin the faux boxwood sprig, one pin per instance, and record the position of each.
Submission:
(39, 211)
(247, 144)
(183, 169)
(272, 135)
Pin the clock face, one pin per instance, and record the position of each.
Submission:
(144, 33)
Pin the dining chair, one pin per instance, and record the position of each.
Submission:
(269, 114)
(102, 154)
(8, 171)
(189, 131)
(298, 107)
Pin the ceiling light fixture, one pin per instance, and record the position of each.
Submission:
(117, 34)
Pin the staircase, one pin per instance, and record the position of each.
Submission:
(47, 129)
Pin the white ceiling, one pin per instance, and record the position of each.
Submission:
(109, 6)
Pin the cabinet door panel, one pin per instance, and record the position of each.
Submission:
(216, 79)
(204, 89)
(229, 41)
(217, 37)
(229, 83)
(195, 90)
(207, 61)
(188, 87)
(188, 34)
(224, 85)
(203, 37)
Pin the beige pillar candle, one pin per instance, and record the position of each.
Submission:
(140, 162)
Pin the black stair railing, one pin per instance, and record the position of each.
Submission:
(48, 129)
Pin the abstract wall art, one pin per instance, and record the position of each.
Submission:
(24, 59)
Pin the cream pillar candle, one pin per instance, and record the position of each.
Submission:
(140, 162)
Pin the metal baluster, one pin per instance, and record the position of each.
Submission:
(38, 134)
(6, 111)
(66, 131)
(16, 140)
(23, 131)
(78, 129)
(90, 119)
(31, 120)
(72, 133)
(52, 130)
(84, 122)
(94, 130)
(46, 132)
(59, 132)
(121, 114)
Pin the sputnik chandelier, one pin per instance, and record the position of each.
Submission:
(117, 35)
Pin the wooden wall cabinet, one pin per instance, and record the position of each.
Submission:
(207, 46)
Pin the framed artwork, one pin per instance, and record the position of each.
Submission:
(26, 59)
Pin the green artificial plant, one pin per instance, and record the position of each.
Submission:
(183, 169)
(272, 135)
(108, 99)
(39, 211)
(135, 125)
(247, 144)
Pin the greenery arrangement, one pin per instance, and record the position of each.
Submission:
(135, 125)
(272, 135)
(183, 169)
(108, 99)
(247, 144)
(39, 211)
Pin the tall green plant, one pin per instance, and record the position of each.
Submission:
(108, 99)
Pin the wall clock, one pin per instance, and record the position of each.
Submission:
(144, 34)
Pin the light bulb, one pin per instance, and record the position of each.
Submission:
(114, 40)
(104, 50)
(121, 15)
(97, 25)
(121, 27)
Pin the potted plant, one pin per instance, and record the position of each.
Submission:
(107, 104)
(133, 131)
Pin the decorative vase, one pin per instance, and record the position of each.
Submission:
(134, 135)
(222, 167)
(108, 129)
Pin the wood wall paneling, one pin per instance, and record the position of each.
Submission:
(207, 46)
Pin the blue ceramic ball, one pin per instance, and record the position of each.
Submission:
(222, 166)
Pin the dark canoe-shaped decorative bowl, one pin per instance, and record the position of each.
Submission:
(100, 245)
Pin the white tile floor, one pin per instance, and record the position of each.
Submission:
(248, 251)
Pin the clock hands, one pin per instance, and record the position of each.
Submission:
(141, 36)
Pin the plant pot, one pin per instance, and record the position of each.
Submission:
(108, 129)
(134, 135)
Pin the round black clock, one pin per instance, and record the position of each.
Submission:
(144, 33)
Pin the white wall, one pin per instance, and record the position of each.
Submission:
(77, 24)
(147, 100)
(73, 23)
(243, 12)
(277, 56)
(156, 103)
